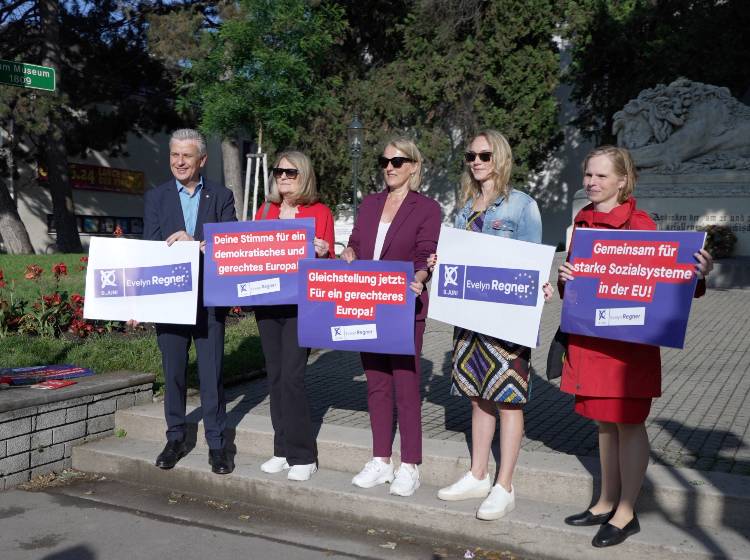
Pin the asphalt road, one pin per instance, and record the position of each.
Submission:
(90, 518)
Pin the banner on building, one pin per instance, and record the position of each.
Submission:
(255, 263)
(143, 280)
(97, 178)
(636, 286)
(494, 289)
(363, 306)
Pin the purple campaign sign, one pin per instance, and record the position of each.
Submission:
(143, 281)
(365, 306)
(635, 286)
(480, 283)
(255, 263)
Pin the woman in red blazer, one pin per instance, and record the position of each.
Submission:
(614, 381)
(293, 194)
(396, 224)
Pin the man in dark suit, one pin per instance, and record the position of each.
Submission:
(176, 211)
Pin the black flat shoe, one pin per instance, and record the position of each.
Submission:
(586, 518)
(220, 463)
(609, 535)
(172, 452)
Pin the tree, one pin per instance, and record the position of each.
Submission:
(459, 67)
(620, 48)
(258, 70)
(96, 103)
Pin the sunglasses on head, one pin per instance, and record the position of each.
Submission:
(483, 156)
(396, 162)
(279, 171)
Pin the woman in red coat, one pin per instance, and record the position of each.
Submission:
(293, 194)
(614, 381)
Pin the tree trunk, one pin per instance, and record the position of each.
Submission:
(232, 160)
(55, 152)
(12, 230)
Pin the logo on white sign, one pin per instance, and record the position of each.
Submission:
(108, 278)
(354, 332)
(450, 276)
(270, 285)
(620, 316)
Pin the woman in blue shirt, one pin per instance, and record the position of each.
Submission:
(493, 373)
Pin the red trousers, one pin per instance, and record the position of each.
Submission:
(388, 374)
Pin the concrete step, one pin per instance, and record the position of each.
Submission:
(685, 496)
(535, 527)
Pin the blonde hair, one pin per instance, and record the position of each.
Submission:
(623, 165)
(408, 147)
(308, 191)
(502, 165)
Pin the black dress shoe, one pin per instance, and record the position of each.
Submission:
(219, 461)
(172, 452)
(587, 518)
(609, 535)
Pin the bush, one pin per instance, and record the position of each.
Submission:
(720, 241)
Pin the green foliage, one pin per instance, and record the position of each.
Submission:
(622, 47)
(461, 67)
(14, 268)
(106, 76)
(261, 68)
(110, 352)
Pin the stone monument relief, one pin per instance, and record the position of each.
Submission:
(691, 143)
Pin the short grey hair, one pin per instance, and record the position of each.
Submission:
(182, 134)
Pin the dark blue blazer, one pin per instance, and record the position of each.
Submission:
(162, 214)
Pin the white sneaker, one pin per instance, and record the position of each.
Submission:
(302, 472)
(406, 481)
(466, 488)
(376, 472)
(497, 504)
(275, 465)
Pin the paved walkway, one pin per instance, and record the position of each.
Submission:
(702, 420)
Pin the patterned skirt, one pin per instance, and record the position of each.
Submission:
(490, 368)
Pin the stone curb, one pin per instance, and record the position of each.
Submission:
(686, 496)
(535, 528)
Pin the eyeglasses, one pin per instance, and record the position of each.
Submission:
(279, 171)
(483, 156)
(396, 162)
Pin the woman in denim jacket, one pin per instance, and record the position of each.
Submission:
(493, 373)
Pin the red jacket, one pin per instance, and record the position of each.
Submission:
(599, 367)
(317, 210)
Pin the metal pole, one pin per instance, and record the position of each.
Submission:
(246, 194)
(356, 154)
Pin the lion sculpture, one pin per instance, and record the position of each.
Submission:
(685, 127)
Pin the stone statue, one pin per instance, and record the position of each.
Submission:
(685, 127)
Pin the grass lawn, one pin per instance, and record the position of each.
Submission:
(108, 352)
(242, 352)
(14, 267)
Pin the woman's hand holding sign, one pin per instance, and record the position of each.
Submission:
(321, 247)
(417, 285)
(705, 263)
(348, 254)
(565, 272)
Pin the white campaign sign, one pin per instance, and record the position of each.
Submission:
(491, 285)
(142, 280)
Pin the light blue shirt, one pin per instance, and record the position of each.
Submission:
(190, 204)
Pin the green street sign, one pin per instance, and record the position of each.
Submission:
(24, 75)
